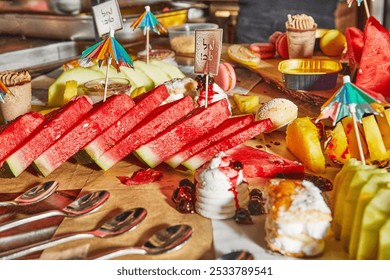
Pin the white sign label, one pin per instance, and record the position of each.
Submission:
(208, 45)
(107, 17)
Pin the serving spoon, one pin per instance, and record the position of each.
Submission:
(119, 224)
(83, 205)
(163, 241)
(33, 195)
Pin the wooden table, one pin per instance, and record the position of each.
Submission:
(76, 179)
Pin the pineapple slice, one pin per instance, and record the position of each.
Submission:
(70, 90)
(337, 148)
(375, 144)
(351, 137)
(387, 115)
(384, 127)
(247, 104)
(303, 141)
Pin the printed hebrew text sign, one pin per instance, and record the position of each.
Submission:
(208, 46)
(107, 17)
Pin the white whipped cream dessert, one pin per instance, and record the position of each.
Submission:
(298, 218)
(220, 189)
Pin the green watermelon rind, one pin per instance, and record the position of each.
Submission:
(174, 111)
(228, 142)
(156, 151)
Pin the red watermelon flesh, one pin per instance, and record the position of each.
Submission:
(56, 124)
(355, 43)
(144, 106)
(258, 163)
(102, 116)
(374, 69)
(156, 122)
(228, 142)
(227, 127)
(194, 125)
(15, 132)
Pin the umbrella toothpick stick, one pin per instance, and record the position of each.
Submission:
(207, 90)
(107, 74)
(352, 109)
(147, 45)
(366, 8)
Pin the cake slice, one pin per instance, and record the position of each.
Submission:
(56, 124)
(227, 127)
(14, 133)
(145, 104)
(226, 143)
(102, 116)
(194, 125)
(156, 122)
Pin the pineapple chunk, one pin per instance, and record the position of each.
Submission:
(247, 104)
(376, 147)
(303, 141)
(70, 90)
(384, 127)
(351, 137)
(337, 148)
(387, 115)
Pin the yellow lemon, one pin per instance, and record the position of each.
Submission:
(332, 43)
(243, 55)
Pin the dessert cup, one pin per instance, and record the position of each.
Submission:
(301, 42)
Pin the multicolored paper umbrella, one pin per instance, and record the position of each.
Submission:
(349, 100)
(3, 92)
(359, 2)
(108, 50)
(147, 21)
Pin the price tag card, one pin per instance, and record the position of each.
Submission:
(107, 17)
(208, 46)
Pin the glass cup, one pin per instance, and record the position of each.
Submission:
(301, 42)
(95, 88)
(17, 103)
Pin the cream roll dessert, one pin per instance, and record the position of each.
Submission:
(298, 218)
(220, 188)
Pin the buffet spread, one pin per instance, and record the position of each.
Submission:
(284, 157)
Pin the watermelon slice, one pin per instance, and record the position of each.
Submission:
(258, 163)
(102, 116)
(228, 142)
(227, 127)
(108, 138)
(15, 132)
(355, 43)
(57, 123)
(159, 120)
(171, 140)
(374, 69)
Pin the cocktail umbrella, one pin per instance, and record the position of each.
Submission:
(147, 21)
(349, 100)
(3, 92)
(108, 50)
(359, 2)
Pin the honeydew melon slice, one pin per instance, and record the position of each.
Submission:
(384, 242)
(375, 215)
(171, 70)
(80, 74)
(368, 191)
(138, 77)
(350, 203)
(152, 71)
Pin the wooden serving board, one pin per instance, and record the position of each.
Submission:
(268, 70)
